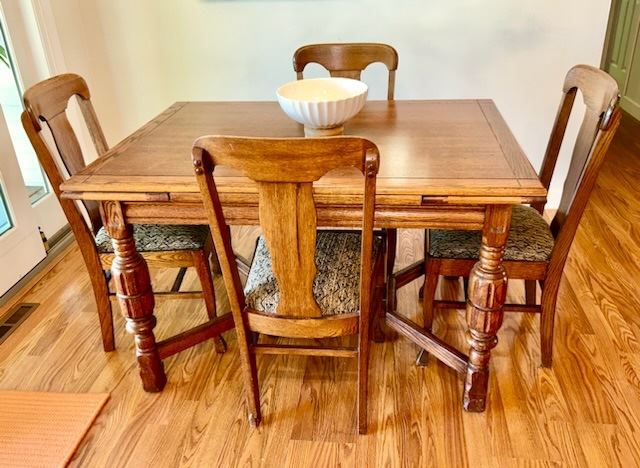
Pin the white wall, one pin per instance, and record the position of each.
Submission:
(139, 56)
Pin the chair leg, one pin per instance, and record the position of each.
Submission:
(547, 322)
(250, 375)
(390, 260)
(212, 255)
(465, 286)
(377, 331)
(100, 286)
(177, 283)
(254, 338)
(363, 376)
(248, 366)
(530, 291)
(377, 305)
(431, 274)
(427, 250)
(202, 266)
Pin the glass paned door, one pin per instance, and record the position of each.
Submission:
(26, 201)
(23, 63)
(20, 244)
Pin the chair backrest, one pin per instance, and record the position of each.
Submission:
(47, 102)
(348, 60)
(284, 171)
(601, 120)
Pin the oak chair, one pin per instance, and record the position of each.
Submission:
(303, 283)
(348, 60)
(537, 252)
(161, 245)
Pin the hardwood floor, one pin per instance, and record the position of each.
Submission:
(583, 412)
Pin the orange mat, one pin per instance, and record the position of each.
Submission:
(41, 429)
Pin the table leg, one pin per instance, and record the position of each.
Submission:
(135, 296)
(486, 296)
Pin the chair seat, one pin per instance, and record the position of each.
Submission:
(159, 238)
(337, 283)
(530, 239)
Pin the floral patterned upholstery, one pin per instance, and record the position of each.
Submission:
(337, 283)
(530, 239)
(159, 238)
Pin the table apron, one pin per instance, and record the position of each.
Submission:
(443, 217)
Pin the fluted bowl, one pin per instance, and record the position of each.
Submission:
(322, 105)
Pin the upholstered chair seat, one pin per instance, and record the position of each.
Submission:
(159, 238)
(337, 283)
(530, 239)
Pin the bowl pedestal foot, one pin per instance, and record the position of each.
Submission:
(323, 132)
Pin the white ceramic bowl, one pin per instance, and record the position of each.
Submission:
(322, 105)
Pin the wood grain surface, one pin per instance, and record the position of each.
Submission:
(456, 147)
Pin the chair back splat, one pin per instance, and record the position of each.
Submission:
(601, 120)
(47, 102)
(348, 60)
(284, 171)
(600, 94)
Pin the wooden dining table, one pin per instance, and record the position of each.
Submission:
(446, 164)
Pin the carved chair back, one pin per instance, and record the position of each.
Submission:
(284, 171)
(601, 120)
(47, 102)
(348, 60)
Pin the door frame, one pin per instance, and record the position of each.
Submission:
(613, 10)
(606, 52)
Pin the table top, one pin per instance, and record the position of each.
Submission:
(446, 148)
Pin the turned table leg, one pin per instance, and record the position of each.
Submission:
(135, 296)
(486, 296)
